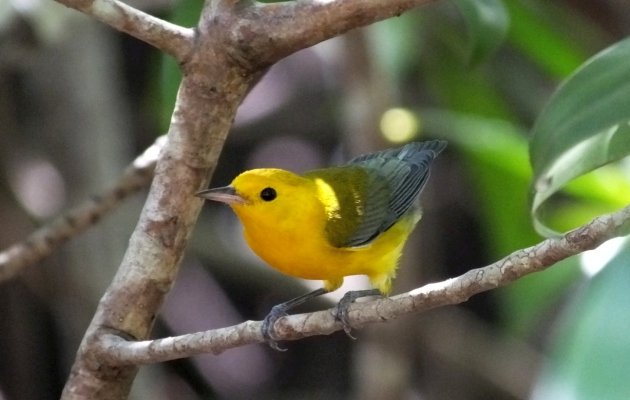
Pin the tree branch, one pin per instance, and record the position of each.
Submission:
(44, 241)
(170, 38)
(114, 350)
(267, 33)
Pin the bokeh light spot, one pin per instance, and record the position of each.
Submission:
(399, 125)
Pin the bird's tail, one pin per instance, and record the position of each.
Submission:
(410, 152)
(414, 149)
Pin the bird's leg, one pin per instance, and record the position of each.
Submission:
(280, 310)
(341, 310)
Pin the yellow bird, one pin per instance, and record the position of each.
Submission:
(330, 223)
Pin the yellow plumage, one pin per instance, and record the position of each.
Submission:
(289, 233)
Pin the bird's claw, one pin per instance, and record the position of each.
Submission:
(268, 326)
(342, 314)
(280, 310)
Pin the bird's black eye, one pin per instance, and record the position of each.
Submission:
(268, 194)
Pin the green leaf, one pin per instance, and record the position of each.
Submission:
(591, 358)
(584, 126)
(488, 22)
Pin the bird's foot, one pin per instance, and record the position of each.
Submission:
(342, 309)
(279, 311)
(341, 314)
(268, 328)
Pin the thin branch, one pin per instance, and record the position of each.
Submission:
(44, 241)
(266, 33)
(114, 350)
(170, 38)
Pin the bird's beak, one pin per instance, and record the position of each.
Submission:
(225, 194)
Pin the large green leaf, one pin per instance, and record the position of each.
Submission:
(591, 355)
(488, 22)
(584, 126)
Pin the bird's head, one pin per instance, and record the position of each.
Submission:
(267, 193)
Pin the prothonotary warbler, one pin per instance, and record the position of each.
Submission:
(333, 222)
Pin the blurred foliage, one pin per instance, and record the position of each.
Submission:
(488, 23)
